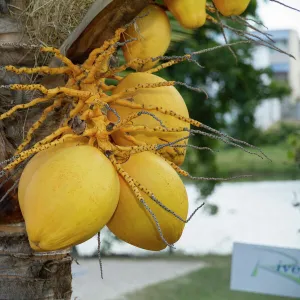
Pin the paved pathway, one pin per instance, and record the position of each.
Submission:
(124, 275)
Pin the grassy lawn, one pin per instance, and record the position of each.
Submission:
(206, 284)
(234, 162)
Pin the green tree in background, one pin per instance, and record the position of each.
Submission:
(294, 151)
(234, 87)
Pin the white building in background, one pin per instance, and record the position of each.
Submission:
(285, 69)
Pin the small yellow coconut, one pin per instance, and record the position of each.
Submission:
(231, 7)
(131, 222)
(153, 34)
(168, 98)
(37, 161)
(69, 198)
(189, 13)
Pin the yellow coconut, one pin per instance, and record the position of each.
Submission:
(168, 98)
(131, 222)
(153, 34)
(231, 7)
(69, 198)
(38, 160)
(189, 13)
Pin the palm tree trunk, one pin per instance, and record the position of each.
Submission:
(28, 275)
(25, 274)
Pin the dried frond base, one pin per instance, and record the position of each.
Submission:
(49, 22)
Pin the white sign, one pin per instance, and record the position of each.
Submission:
(266, 270)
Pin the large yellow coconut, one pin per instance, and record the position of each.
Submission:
(153, 34)
(189, 13)
(168, 98)
(131, 221)
(231, 7)
(69, 198)
(37, 161)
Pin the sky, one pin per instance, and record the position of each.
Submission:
(276, 16)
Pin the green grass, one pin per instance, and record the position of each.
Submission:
(211, 283)
(233, 162)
